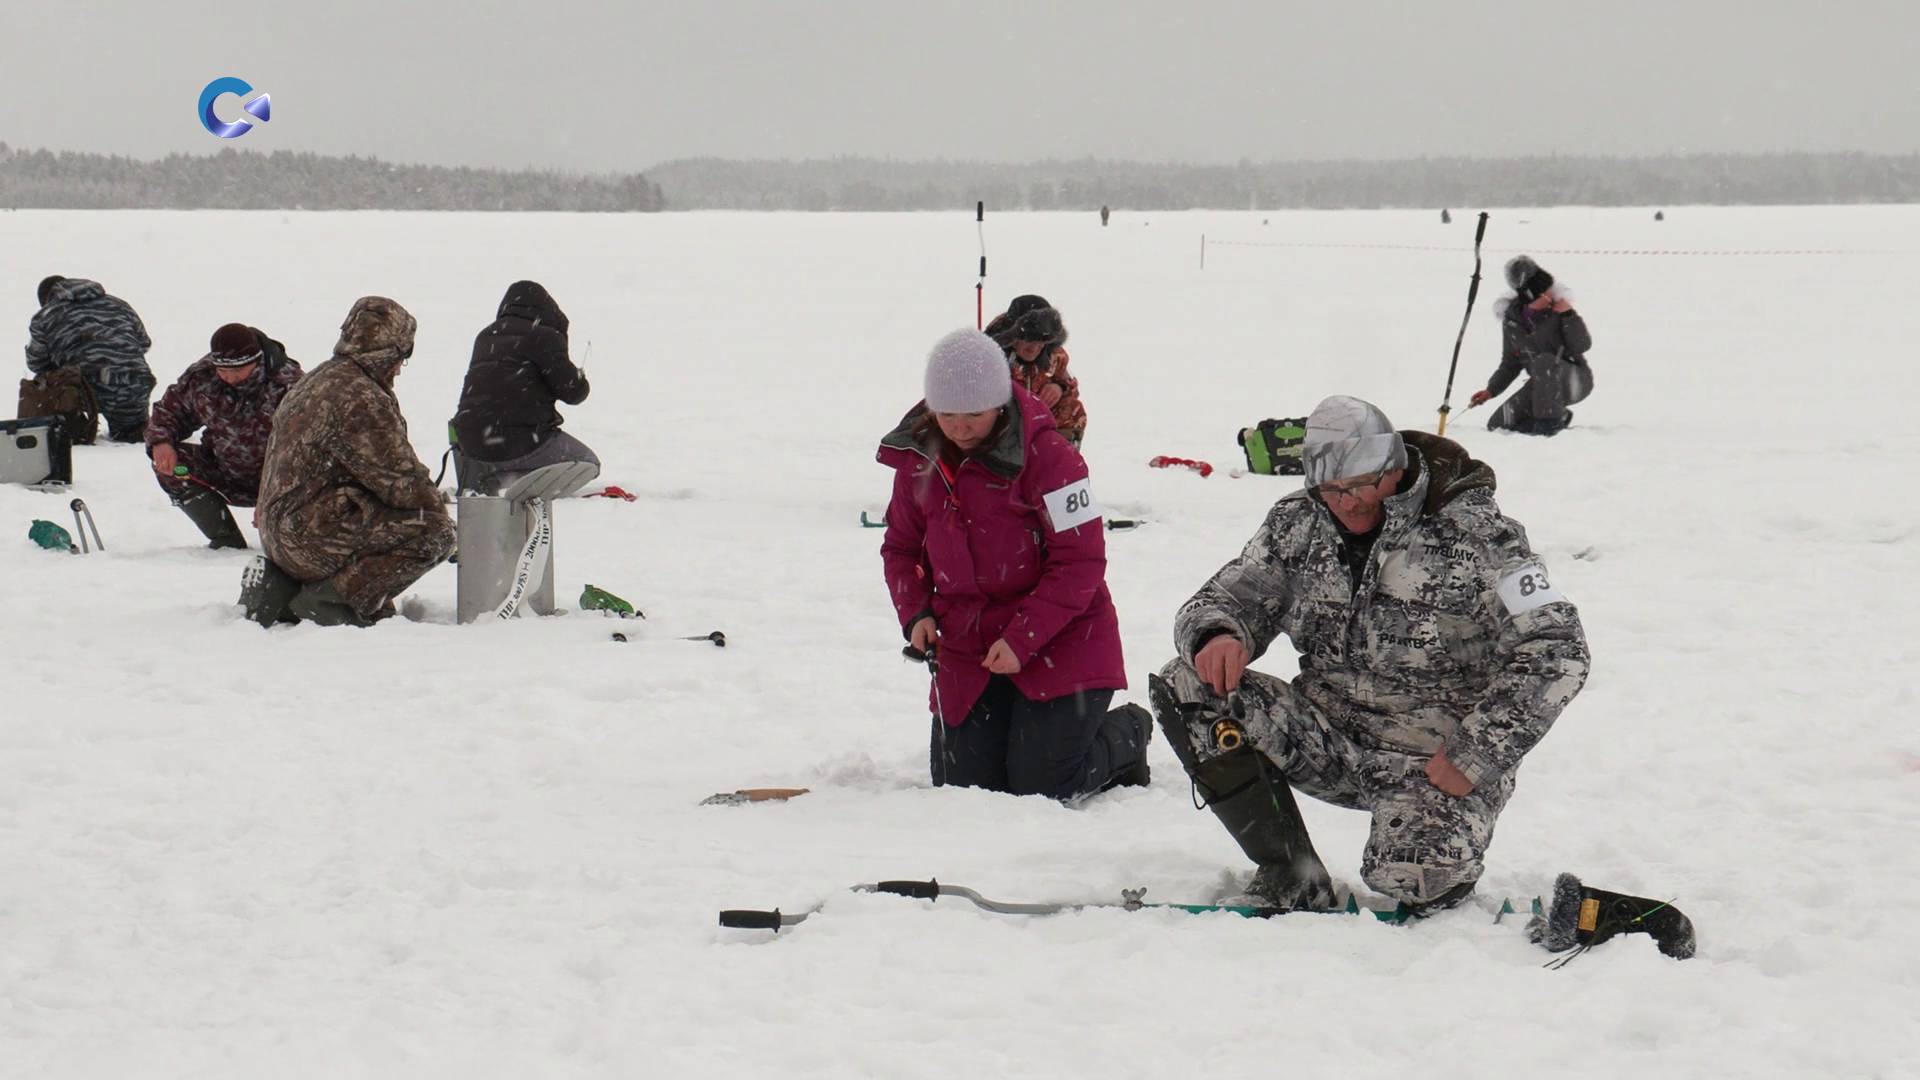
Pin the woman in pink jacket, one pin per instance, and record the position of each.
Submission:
(995, 558)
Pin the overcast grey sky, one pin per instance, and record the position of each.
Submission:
(591, 86)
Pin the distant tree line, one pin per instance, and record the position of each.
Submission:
(850, 183)
(285, 180)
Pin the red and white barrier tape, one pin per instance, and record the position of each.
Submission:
(1567, 251)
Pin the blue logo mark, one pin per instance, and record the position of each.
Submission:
(261, 107)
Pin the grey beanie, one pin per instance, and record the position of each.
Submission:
(967, 373)
(1347, 437)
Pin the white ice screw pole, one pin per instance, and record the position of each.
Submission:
(980, 287)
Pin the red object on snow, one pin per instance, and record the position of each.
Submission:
(1163, 462)
(611, 492)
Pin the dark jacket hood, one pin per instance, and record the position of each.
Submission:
(530, 300)
(1451, 471)
(276, 353)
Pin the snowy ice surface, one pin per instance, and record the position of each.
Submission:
(434, 850)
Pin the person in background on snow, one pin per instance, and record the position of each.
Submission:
(995, 559)
(1434, 654)
(80, 326)
(1032, 335)
(1544, 337)
(506, 425)
(348, 516)
(231, 392)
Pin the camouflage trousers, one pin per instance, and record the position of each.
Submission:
(369, 552)
(123, 389)
(1423, 841)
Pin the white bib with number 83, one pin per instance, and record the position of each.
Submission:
(1072, 506)
(1527, 588)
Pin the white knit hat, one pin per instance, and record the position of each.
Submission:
(1347, 437)
(967, 373)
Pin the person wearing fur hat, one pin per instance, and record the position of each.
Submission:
(1434, 649)
(1034, 338)
(1544, 337)
(229, 394)
(995, 560)
(348, 515)
(80, 326)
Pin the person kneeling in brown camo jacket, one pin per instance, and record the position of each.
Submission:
(346, 508)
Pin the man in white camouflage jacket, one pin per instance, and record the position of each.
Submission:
(1435, 651)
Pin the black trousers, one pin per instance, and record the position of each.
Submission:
(1539, 406)
(1061, 748)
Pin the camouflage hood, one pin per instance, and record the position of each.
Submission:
(378, 335)
(75, 290)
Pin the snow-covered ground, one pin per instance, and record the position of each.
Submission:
(434, 850)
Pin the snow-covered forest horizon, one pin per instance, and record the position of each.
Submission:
(233, 179)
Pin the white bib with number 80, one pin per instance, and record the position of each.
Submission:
(1072, 506)
(1527, 588)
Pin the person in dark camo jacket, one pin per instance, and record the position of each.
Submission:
(80, 326)
(346, 508)
(1434, 653)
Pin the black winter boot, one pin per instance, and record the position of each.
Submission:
(265, 590)
(318, 602)
(1250, 797)
(1583, 916)
(1138, 775)
(210, 514)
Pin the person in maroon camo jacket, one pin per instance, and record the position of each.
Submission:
(230, 395)
(995, 559)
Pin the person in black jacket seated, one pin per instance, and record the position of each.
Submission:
(506, 425)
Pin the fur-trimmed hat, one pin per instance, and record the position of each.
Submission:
(235, 345)
(1526, 278)
(1025, 303)
(1000, 327)
(1042, 325)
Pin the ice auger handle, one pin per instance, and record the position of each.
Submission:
(751, 920)
(919, 890)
